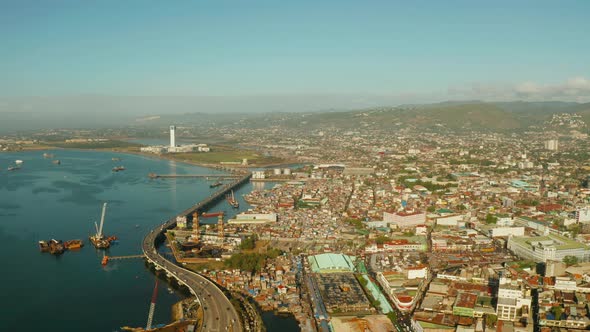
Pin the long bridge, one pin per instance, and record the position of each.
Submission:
(218, 312)
(215, 197)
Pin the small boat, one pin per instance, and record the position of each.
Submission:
(116, 159)
(48, 155)
(118, 169)
(105, 260)
(13, 168)
(216, 184)
(56, 162)
(43, 246)
(112, 239)
(18, 162)
(232, 200)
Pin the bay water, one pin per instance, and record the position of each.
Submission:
(74, 292)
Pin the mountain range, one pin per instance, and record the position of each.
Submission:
(450, 115)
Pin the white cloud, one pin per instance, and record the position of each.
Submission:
(573, 89)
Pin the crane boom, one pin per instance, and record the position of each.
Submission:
(104, 210)
(152, 307)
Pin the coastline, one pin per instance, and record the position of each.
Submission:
(162, 157)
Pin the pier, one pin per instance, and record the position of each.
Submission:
(172, 176)
(113, 258)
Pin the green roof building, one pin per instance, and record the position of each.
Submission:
(330, 263)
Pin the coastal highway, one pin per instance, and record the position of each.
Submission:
(219, 313)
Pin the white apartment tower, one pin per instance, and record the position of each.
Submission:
(552, 145)
(172, 136)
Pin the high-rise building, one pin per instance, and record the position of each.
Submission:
(551, 145)
(172, 136)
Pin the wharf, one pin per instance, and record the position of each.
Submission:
(273, 180)
(125, 257)
(172, 176)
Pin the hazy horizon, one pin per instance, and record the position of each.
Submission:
(102, 60)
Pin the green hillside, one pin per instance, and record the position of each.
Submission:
(469, 116)
(478, 116)
(445, 116)
(583, 110)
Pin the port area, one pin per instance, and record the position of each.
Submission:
(186, 315)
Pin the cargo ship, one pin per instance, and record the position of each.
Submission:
(232, 200)
(212, 214)
(73, 244)
(216, 184)
(118, 169)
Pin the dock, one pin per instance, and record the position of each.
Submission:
(172, 176)
(111, 258)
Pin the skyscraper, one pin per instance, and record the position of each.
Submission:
(172, 136)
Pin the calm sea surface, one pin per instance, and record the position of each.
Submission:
(73, 292)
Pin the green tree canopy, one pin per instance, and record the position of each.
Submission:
(570, 260)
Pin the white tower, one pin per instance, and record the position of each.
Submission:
(172, 136)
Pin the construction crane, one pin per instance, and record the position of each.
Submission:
(152, 307)
(98, 239)
(99, 230)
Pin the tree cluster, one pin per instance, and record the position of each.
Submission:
(252, 262)
(249, 242)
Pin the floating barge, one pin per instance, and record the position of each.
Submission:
(57, 247)
(53, 246)
(212, 214)
(73, 244)
(216, 184)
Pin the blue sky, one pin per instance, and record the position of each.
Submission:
(404, 50)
